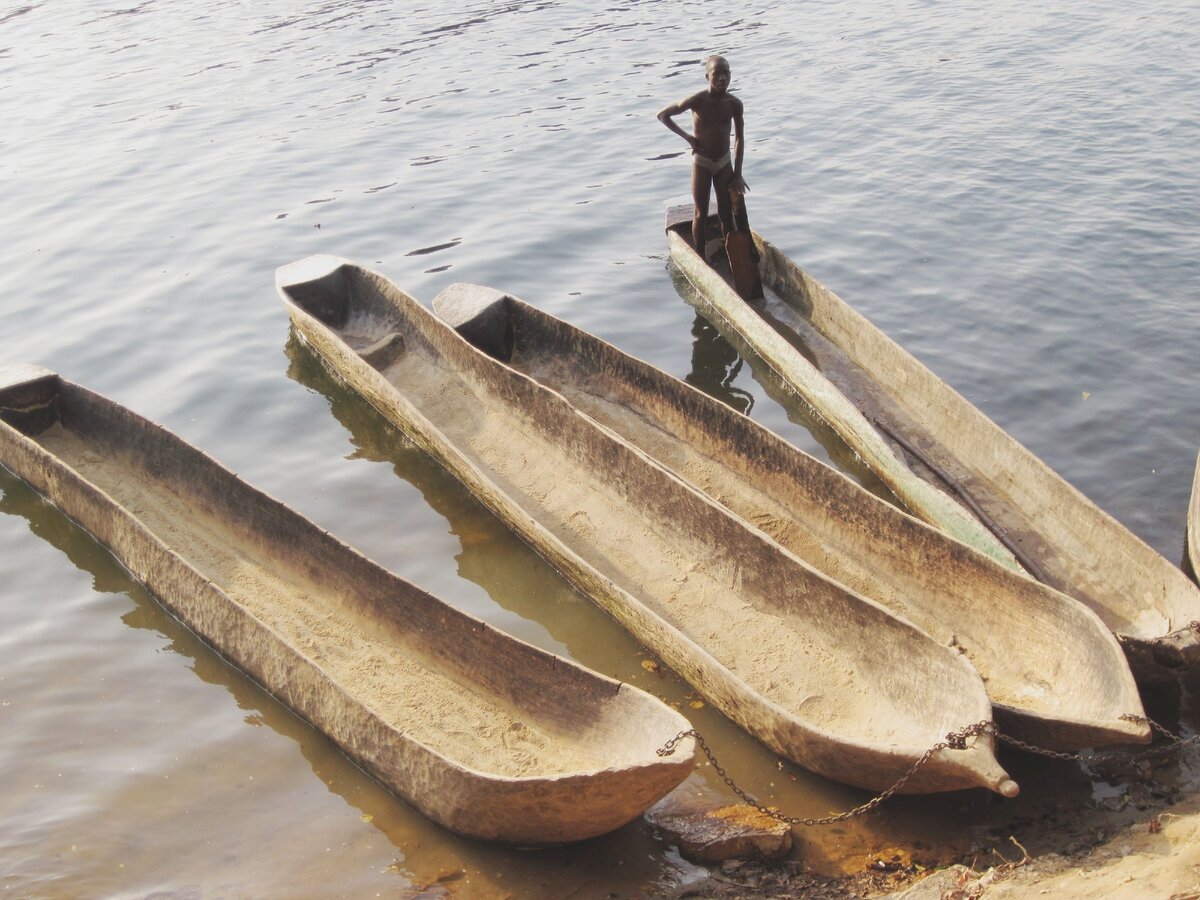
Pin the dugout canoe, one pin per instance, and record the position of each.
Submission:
(1055, 674)
(488, 736)
(867, 387)
(823, 676)
(1193, 524)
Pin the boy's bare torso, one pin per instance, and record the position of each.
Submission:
(712, 121)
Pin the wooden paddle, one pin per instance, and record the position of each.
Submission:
(742, 254)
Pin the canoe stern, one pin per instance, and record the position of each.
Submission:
(319, 285)
(29, 397)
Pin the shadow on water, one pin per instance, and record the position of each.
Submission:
(715, 367)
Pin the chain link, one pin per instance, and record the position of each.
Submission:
(1174, 742)
(1193, 625)
(955, 740)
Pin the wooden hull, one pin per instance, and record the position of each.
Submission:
(1193, 524)
(1058, 535)
(486, 735)
(823, 676)
(1055, 674)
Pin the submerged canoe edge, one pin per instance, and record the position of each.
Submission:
(380, 308)
(534, 808)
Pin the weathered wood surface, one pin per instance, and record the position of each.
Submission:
(820, 674)
(487, 735)
(1193, 524)
(1066, 540)
(1055, 674)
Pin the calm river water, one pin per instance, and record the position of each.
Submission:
(1009, 189)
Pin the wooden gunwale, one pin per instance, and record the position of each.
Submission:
(541, 750)
(1075, 546)
(1193, 523)
(1055, 674)
(661, 558)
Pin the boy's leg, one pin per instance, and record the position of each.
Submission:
(701, 187)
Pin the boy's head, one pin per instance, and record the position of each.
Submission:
(717, 71)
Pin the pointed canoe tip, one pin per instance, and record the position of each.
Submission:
(13, 374)
(310, 268)
(1135, 729)
(990, 774)
(678, 211)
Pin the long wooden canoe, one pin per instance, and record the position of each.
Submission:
(867, 387)
(823, 676)
(489, 736)
(1055, 674)
(1193, 524)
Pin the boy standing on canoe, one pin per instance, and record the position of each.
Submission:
(713, 111)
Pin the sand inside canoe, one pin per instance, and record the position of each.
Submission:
(789, 658)
(370, 659)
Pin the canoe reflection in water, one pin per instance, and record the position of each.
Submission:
(716, 366)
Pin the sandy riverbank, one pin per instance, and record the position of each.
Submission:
(1155, 856)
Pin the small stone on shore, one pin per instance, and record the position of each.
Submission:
(718, 833)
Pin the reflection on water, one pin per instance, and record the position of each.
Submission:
(715, 367)
(811, 433)
(46, 522)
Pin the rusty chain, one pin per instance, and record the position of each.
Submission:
(1174, 742)
(955, 740)
(1193, 625)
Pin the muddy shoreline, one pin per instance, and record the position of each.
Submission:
(1138, 836)
(1155, 852)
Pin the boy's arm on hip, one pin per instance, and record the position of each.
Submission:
(674, 109)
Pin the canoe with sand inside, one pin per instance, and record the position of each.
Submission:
(486, 735)
(820, 674)
(1055, 674)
